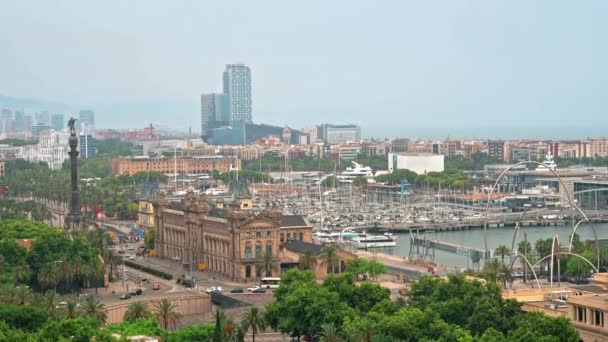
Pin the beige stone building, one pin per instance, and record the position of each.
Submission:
(229, 242)
(588, 313)
(599, 147)
(183, 165)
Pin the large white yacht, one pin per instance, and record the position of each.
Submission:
(547, 164)
(348, 175)
(373, 241)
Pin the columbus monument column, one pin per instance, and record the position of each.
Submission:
(73, 220)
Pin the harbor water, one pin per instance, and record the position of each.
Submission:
(496, 237)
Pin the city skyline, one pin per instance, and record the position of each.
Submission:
(432, 70)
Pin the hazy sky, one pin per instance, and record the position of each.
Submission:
(394, 67)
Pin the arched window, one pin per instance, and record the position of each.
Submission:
(248, 251)
(282, 237)
(288, 236)
(301, 236)
(258, 251)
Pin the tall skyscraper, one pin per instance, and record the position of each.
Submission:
(6, 117)
(20, 124)
(42, 118)
(57, 122)
(237, 86)
(87, 149)
(86, 118)
(215, 112)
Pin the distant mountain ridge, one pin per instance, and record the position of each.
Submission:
(31, 105)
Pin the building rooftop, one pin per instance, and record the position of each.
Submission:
(301, 247)
(293, 221)
(418, 154)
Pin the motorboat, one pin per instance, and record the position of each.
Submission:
(374, 241)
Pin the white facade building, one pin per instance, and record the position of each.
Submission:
(420, 163)
(52, 149)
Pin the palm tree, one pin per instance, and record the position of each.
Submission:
(109, 260)
(504, 275)
(7, 293)
(93, 270)
(166, 313)
(329, 333)
(491, 269)
(543, 248)
(78, 272)
(70, 311)
(135, 311)
(22, 273)
(49, 302)
(65, 271)
(307, 261)
(48, 276)
(267, 264)
(330, 258)
(254, 320)
(22, 295)
(92, 308)
(502, 250)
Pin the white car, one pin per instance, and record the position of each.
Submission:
(213, 289)
(251, 289)
(132, 257)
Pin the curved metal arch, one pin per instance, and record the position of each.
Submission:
(529, 264)
(567, 253)
(485, 221)
(597, 245)
(517, 227)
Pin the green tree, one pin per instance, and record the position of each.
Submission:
(253, 320)
(267, 264)
(48, 276)
(307, 261)
(502, 250)
(136, 311)
(49, 302)
(22, 273)
(167, 314)
(92, 308)
(329, 333)
(330, 181)
(360, 182)
(330, 259)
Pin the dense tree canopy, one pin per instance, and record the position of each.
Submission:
(451, 309)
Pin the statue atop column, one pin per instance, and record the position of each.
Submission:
(73, 220)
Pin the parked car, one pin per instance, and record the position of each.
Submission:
(137, 292)
(259, 290)
(213, 289)
(125, 296)
(132, 257)
(251, 289)
(156, 286)
(237, 290)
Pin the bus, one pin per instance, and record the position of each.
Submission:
(270, 283)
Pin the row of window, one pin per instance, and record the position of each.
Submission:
(291, 237)
(258, 234)
(597, 317)
(258, 250)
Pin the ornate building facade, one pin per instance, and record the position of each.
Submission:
(230, 242)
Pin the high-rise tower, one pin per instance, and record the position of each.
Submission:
(237, 86)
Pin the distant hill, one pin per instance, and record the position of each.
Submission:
(30, 105)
